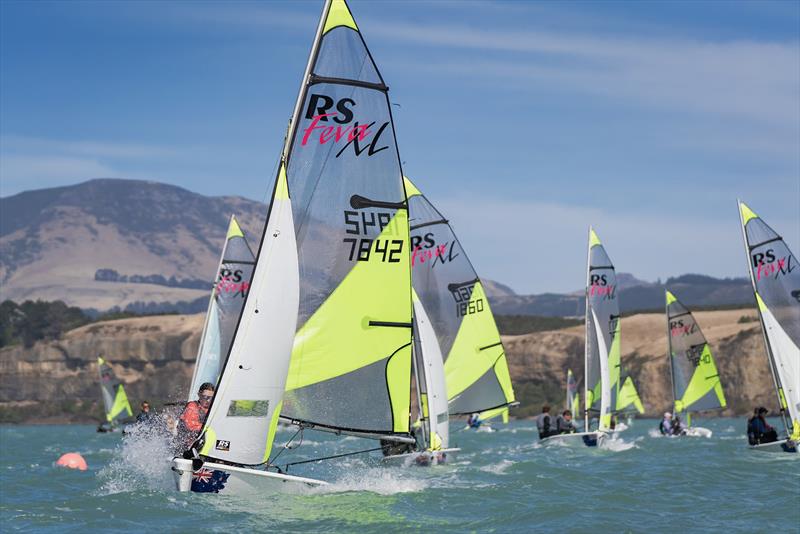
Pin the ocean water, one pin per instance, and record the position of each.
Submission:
(500, 482)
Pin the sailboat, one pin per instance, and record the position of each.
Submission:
(452, 296)
(234, 271)
(115, 400)
(602, 352)
(573, 403)
(696, 384)
(776, 283)
(324, 339)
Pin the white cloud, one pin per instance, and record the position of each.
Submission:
(20, 173)
(541, 247)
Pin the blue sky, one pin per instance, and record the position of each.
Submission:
(523, 121)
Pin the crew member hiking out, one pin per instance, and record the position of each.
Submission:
(759, 431)
(546, 423)
(194, 416)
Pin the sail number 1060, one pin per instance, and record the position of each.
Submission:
(362, 247)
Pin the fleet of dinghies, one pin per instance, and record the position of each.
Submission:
(360, 298)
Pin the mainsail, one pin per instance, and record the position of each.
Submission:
(115, 401)
(475, 364)
(351, 362)
(695, 380)
(776, 282)
(602, 334)
(224, 307)
(573, 397)
(628, 396)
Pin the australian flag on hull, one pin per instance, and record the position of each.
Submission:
(209, 481)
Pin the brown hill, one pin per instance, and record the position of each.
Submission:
(54, 241)
(154, 356)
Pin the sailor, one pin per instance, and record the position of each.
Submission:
(564, 424)
(546, 423)
(474, 421)
(666, 425)
(751, 432)
(763, 432)
(194, 415)
(678, 428)
(145, 416)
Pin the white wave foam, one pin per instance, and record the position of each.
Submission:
(142, 461)
(498, 468)
(380, 481)
(616, 444)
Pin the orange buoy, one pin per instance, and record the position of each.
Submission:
(72, 460)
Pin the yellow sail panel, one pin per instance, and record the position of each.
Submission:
(411, 189)
(335, 341)
(704, 379)
(490, 414)
(120, 405)
(476, 348)
(234, 230)
(339, 15)
(629, 396)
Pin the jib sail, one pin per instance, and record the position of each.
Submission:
(351, 362)
(628, 396)
(115, 401)
(225, 306)
(602, 334)
(695, 380)
(573, 397)
(475, 364)
(429, 369)
(776, 282)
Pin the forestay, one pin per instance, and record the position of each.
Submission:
(602, 333)
(695, 380)
(225, 306)
(776, 281)
(351, 361)
(475, 364)
(115, 401)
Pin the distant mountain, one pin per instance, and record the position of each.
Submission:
(694, 290)
(149, 247)
(116, 243)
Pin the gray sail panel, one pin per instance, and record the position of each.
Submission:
(345, 181)
(486, 393)
(776, 275)
(686, 342)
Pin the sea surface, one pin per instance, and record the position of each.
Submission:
(501, 482)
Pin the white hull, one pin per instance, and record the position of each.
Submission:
(698, 432)
(218, 478)
(482, 428)
(423, 458)
(588, 439)
(783, 445)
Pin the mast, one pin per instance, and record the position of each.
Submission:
(775, 378)
(669, 351)
(586, 405)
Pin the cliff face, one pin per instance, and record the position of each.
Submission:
(154, 357)
(539, 361)
(57, 380)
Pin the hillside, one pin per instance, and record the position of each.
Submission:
(62, 243)
(154, 356)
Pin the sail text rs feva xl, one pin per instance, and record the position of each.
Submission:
(324, 339)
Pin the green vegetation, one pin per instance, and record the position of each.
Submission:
(747, 319)
(34, 321)
(513, 325)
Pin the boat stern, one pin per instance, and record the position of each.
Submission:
(182, 471)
